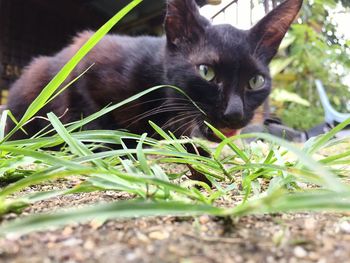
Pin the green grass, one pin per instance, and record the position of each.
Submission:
(269, 177)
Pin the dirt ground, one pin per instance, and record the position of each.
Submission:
(266, 238)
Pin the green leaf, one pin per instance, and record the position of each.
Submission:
(282, 95)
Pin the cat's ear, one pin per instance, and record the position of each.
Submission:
(268, 33)
(183, 22)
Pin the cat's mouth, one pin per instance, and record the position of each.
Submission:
(228, 132)
(203, 131)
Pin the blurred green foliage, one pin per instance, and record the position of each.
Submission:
(313, 49)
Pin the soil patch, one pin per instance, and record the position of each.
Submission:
(303, 237)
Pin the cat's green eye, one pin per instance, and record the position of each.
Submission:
(257, 82)
(206, 72)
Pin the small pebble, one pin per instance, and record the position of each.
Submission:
(131, 257)
(310, 223)
(72, 242)
(204, 228)
(314, 256)
(300, 252)
(345, 227)
(142, 237)
(96, 224)
(89, 244)
(13, 237)
(67, 231)
(204, 219)
(158, 235)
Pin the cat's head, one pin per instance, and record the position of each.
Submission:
(223, 69)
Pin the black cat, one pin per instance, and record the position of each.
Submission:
(223, 69)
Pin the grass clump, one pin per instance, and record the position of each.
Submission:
(265, 177)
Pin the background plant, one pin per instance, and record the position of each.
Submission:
(314, 49)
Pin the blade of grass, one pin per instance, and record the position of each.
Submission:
(44, 157)
(3, 119)
(221, 136)
(330, 159)
(326, 178)
(282, 201)
(317, 143)
(167, 137)
(76, 146)
(68, 85)
(123, 209)
(141, 156)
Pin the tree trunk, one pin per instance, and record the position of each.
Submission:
(267, 6)
(274, 3)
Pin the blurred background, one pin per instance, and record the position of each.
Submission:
(317, 46)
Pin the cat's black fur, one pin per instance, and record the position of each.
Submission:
(124, 66)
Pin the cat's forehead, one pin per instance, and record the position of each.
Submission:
(224, 43)
(226, 32)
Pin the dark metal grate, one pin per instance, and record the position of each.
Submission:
(30, 28)
(26, 32)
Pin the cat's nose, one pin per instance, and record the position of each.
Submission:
(233, 116)
(234, 110)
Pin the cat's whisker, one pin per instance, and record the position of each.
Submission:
(167, 106)
(134, 105)
(183, 125)
(189, 128)
(188, 112)
(158, 110)
(154, 112)
(177, 119)
(196, 122)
